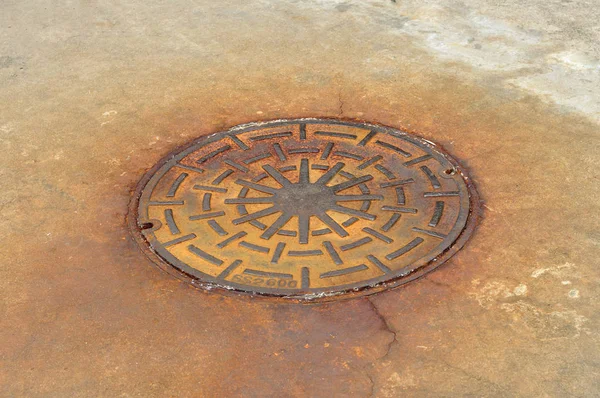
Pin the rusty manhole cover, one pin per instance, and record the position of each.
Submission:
(305, 208)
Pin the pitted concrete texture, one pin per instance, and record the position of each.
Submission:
(92, 94)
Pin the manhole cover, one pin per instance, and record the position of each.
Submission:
(305, 208)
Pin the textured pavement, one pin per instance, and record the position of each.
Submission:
(92, 94)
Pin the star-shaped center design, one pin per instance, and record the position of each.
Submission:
(304, 199)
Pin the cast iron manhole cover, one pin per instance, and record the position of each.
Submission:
(307, 208)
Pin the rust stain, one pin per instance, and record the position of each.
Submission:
(85, 315)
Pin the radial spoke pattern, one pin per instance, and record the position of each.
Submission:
(306, 208)
(304, 200)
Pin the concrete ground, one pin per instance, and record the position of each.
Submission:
(93, 93)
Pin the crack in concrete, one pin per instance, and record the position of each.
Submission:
(341, 104)
(372, 392)
(388, 327)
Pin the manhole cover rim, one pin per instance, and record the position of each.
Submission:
(197, 278)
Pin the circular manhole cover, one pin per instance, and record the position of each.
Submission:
(306, 208)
